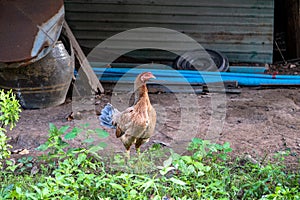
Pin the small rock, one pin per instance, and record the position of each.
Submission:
(161, 143)
(291, 126)
(292, 66)
(294, 154)
(34, 170)
(24, 152)
(250, 159)
(78, 116)
(70, 117)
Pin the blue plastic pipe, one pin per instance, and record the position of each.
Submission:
(195, 77)
(234, 69)
(186, 73)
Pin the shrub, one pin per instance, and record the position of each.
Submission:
(9, 110)
(204, 172)
(9, 115)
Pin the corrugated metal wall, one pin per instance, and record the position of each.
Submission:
(241, 29)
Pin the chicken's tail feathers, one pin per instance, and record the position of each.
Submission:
(106, 117)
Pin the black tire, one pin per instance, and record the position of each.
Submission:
(199, 60)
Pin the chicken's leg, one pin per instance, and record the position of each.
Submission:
(138, 151)
(138, 144)
(127, 154)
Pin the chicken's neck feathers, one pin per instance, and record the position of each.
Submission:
(141, 93)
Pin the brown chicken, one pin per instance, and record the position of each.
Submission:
(136, 124)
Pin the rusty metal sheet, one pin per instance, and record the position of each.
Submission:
(240, 29)
(28, 30)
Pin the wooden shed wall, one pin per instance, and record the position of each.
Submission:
(241, 29)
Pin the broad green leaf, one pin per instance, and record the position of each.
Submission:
(29, 165)
(18, 190)
(101, 133)
(71, 135)
(98, 147)
(223, 156)
(43, 147)
(9, 162)
(89, 140)
(75, 150)
(102, 144)
(177, 181)
(117, 186)
(81, 157)
(45, 190)
(168, 162)
(191, 169)
(226, 145)
(187, 159)
(164, 171)
(199, 165)
(86, 125)
(148, 184)
(62, 144)
(197, 141)
(133, 193)
(52, 127)
(63, 129)
(36, 189)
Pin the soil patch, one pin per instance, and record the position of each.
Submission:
(260, 123)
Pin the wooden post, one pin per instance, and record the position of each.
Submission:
(84, 64)
(293, 28)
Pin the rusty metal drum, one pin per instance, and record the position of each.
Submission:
(28, 30)
(44, 83)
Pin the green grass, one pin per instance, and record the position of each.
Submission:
(205, 172)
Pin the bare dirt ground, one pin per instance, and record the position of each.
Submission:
(260, 123)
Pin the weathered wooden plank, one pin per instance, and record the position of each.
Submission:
(85, 65)
(293, 28)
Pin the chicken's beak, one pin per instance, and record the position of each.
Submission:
(153, 77)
